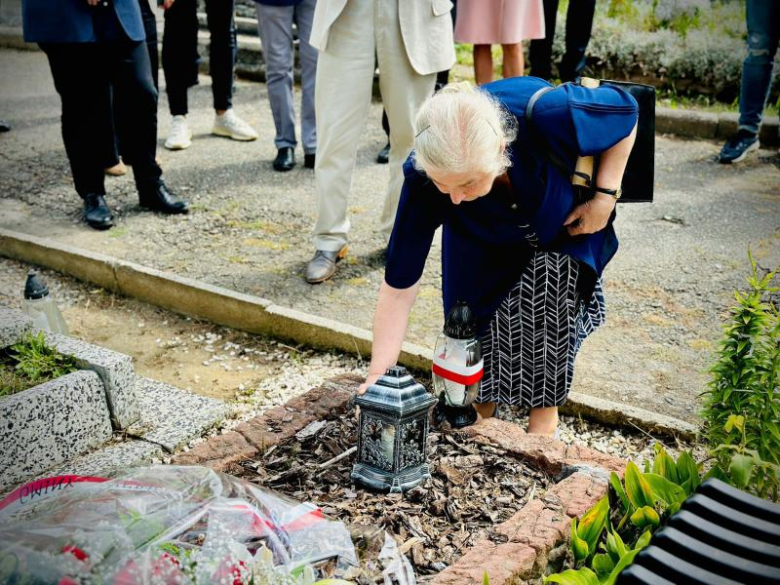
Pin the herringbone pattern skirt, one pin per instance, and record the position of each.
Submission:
(535, 335)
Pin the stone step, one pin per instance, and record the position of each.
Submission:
(116, 454)
(171, 416)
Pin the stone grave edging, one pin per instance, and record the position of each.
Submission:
(543, 524)
(53, 422)
(274, 426)
(114, 369)
(532, 533)
(50, 424)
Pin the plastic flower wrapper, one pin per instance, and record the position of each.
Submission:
(164, 524)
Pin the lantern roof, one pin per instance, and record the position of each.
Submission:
(397, 394)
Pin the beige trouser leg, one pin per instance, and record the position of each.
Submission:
(403, 92)
(343, 94)
(345, 75)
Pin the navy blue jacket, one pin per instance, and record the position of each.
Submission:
(72, 21)
(487, 243)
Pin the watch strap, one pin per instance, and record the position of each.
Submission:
(614, 193)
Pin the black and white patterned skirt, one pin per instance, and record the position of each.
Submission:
(536, 333)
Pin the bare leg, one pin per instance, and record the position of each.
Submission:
(513, 64)
(485, 409)
(483, 64)
(543, 421)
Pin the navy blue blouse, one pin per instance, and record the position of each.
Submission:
(486, 243)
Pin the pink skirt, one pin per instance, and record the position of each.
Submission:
(494, 22)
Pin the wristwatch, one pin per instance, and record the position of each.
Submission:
(614, 193)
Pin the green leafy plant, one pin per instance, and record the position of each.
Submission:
(32, 361)
(677, 15)
(605, 540)
(742, 403)
(37, 360)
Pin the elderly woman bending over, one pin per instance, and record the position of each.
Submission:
(517, 246)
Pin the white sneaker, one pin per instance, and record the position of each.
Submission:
(179, 135)
(231, 126)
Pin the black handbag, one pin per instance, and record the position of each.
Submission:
(640, 171)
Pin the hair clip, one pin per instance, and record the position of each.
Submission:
(421, 131)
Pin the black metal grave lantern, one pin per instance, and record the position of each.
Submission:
(392, 433)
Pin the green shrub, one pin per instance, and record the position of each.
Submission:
(742, 403)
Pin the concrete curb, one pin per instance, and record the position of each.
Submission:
(256, 315)
(251, 65)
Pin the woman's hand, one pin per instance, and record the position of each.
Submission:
(370, 379)
(591, 216)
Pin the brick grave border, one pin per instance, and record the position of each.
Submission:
(542, 525)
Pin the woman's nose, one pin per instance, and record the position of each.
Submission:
(457, 197)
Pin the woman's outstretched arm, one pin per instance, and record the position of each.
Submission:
(393, 306)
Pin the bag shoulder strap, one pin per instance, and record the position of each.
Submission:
(552, 157)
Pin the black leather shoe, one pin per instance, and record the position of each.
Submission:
(309, 160)
(96, 212)
(323, 265)
(285, 159)
(384, 155)
(161, 199)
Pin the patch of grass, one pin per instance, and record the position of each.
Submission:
(358, 281)
(263, 226)
(117, 232)
(32, 362)
(266, 244)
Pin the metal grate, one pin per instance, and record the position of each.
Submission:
(721, 536)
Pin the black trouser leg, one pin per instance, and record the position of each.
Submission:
(180, 53)
(80, 73)
(386, 124)
(540, 53)
(111, 137)
(136, 106)
(150, 27)
(222, 51)
(579, 23)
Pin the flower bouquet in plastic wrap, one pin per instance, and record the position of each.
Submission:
(172, 525)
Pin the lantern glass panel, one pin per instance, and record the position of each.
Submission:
(378, 442)
(412, 444)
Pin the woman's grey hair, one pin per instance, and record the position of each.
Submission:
(461, 129)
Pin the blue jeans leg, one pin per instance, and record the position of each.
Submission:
(763, 24)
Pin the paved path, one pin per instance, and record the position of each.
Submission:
(680, 257)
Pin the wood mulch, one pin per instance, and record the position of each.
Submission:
(473, 488)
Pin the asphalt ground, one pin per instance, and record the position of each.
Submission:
(668, 289)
